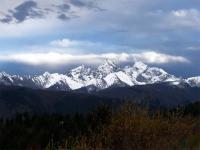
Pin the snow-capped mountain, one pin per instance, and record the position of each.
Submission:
(104, 76)
(194, 81)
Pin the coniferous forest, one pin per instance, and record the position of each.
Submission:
(127, 127)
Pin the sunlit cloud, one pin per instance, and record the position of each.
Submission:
(64, 59)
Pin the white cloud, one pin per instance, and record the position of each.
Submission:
(183, 18)
(67, 43)
(179, 13)
(153, 57)
(64, 59)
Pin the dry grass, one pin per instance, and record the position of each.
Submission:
(132, 128)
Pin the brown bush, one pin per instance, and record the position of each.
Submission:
(132, 128)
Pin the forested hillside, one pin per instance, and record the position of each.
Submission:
(129, 127)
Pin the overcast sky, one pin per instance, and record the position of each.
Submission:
(45, 34)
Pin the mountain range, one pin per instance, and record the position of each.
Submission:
(102, 77)
(84, 88)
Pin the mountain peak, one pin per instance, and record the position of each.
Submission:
(4, 74)
(140, 65)
(194, 81)
(46, 74)
(81, 74)
(110, 63)
(107, 67)
(79, 68)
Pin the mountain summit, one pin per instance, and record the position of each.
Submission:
(104, 76)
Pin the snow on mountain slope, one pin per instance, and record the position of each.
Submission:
(6, 79)
(141, 74)
(106, 75)
(156, 75)
(105, 69)
(140, 67)
(60, 86)
(194, 81)
(47, 80)
(86, 76)
(81, 74)
(113, 80)
(134, 71)
(124, 78)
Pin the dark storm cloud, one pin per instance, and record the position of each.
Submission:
(27, 9)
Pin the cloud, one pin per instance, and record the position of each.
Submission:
(183, 18)
(84, 46)
(193, 48)
(27, 9)
(29, 27)
(63, 17)
(63, 10)
(153, 57)
(169, 26)
(6, 19)
(63, 7)
(72, 43)
(179, 13)
(87, 4)
(64, 59)
(78, 3)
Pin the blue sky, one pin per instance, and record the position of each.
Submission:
(44, 35)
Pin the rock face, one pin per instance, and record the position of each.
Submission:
(104, 76)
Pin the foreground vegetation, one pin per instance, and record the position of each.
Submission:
(129, 127)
